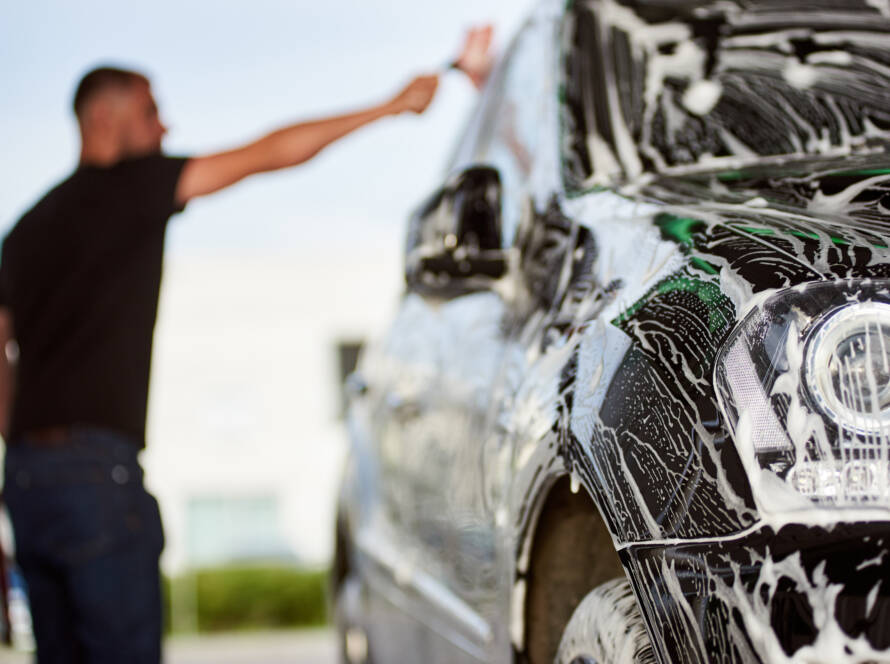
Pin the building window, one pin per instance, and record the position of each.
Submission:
(227, 529)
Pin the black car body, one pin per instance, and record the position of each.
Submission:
(646, 337)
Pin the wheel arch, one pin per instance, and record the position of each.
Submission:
(566, 550)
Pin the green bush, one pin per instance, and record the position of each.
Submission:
(246, 597)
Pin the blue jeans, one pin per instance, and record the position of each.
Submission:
(88, 538)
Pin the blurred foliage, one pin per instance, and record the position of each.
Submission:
(245, 597)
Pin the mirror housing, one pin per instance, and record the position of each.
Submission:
(454, 237)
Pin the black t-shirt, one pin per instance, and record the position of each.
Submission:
(81, 272)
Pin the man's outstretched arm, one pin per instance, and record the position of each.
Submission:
(292, 145)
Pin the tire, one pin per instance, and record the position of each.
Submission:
(606, 628)
(572, 554)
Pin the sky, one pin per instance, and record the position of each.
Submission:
(227, 71)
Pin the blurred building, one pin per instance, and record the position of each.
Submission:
(245, 437)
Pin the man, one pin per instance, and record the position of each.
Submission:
(79, 281)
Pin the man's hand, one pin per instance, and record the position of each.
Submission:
(475, 59)
(415, 96)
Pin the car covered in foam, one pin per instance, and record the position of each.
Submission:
(634, 405)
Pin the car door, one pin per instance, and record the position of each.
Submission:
(443, 462)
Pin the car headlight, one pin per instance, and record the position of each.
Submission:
(848, 366)
(804, 385)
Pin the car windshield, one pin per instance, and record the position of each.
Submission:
(680, 88)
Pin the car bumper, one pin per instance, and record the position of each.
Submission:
(767, 595)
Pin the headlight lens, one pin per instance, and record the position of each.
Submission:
(848, 366)
(804, 384)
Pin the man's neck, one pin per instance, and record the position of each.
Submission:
(97, 152)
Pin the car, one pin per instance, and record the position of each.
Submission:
(634, 404)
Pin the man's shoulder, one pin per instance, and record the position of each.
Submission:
(147, 164)
(97, 187)
(47, 206)
(50, 197)
(151, 180)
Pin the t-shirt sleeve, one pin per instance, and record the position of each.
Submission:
(156, 178)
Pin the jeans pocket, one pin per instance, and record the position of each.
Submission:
(143, 520)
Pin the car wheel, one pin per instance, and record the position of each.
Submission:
(606, 628)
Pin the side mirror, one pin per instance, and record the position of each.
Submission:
(454, 237)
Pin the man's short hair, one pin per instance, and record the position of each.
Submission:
(101, 79)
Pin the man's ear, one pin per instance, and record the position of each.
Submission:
(103, 110)
(96, 115)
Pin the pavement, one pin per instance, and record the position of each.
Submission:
(280, 647)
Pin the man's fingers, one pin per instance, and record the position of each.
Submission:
(478, 40)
